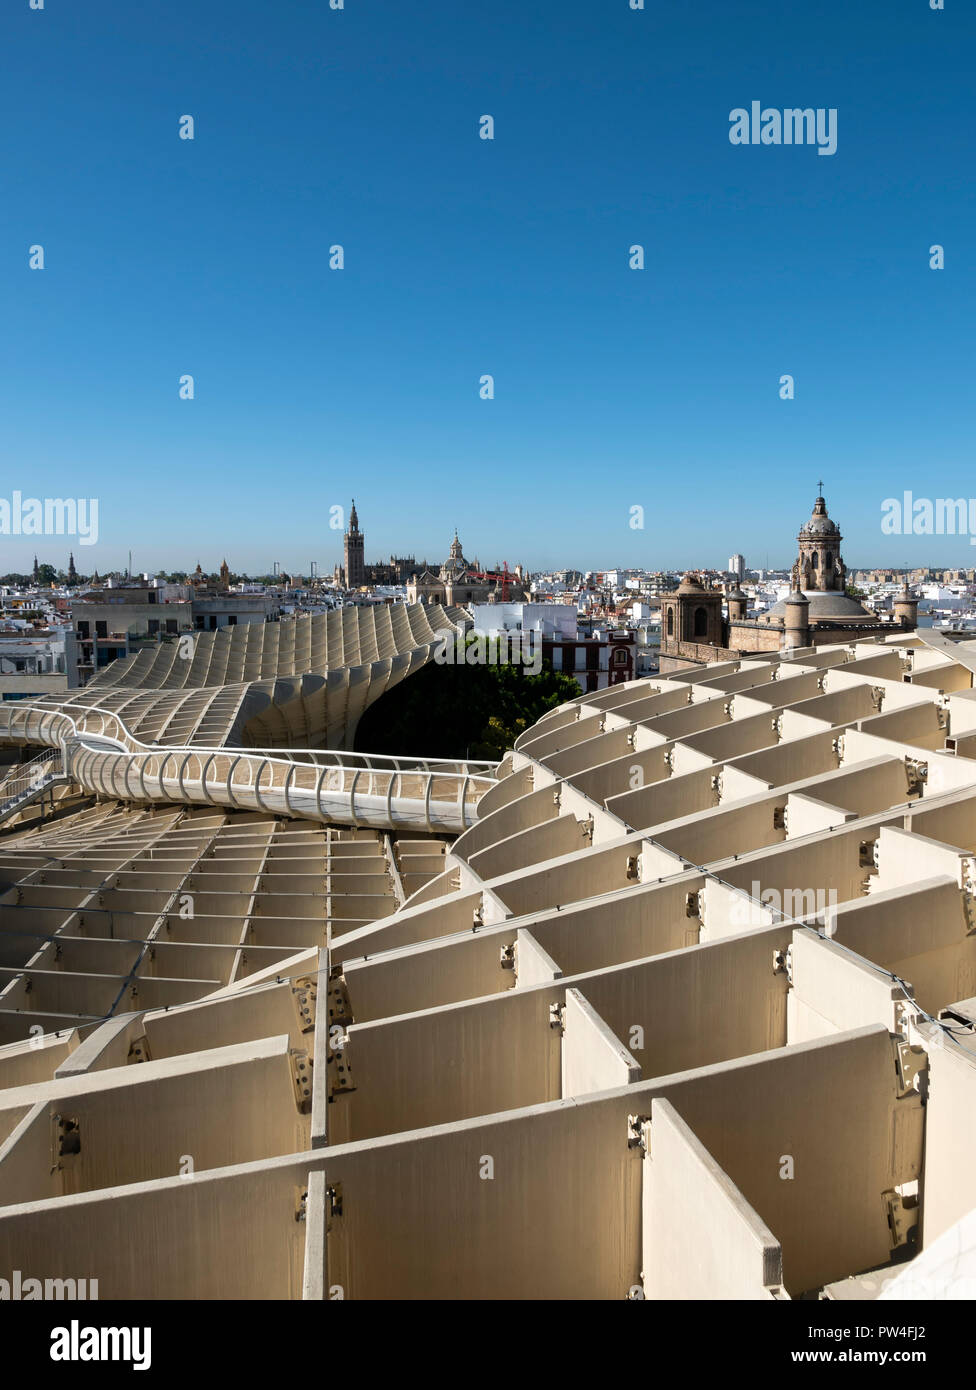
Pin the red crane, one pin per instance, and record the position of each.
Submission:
(501, 576)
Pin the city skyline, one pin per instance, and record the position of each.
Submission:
(326, 566)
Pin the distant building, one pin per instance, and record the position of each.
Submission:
(111, 623)
(37, 663)
(353, 563)
(816, 612)
(459, 583)
(595, 659)
(737, 566)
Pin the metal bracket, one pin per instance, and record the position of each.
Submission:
(968, 876)
(65, 1141)
(301, 1075)
(868, 854)
(139, 1050)
(633, 867)
(339, 1071)
(334, 1198)
(779, 818)
(340, 1010)
(507, 957)
(301, 1210)
(639, 1133)
(586, 829)
(557, 1015)
(692, 905)
(902, 1217)
(918, 775)
(304, 992)
(783, 963)
(912, 1065)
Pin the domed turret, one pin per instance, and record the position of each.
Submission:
(738, 605)
(796, 628)
(906, 608)
(820, 523)
(690, 585)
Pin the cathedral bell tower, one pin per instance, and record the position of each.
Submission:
(353, 551)
(819, 567)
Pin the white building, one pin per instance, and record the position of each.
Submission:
(552, 620)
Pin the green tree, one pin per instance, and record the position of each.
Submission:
(454, 711)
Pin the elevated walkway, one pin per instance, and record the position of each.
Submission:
(97, 751)
(27, 782)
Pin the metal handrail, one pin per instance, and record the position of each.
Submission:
(397, 762)
(103, 768)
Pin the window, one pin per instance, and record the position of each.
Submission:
(670, 622)
(101, 629)
(701, 622)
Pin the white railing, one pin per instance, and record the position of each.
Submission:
(359, 789)
(28, 780)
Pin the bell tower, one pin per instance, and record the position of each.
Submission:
(819, 567)
(353, 552)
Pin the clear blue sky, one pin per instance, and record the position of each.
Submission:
(614, 387)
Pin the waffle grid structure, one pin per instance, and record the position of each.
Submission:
(687, 1012)
(302, 683)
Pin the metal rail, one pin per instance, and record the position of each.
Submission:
(359, 789)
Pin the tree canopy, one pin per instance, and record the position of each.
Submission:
(455, 711)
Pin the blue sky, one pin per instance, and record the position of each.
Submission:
(614, 387)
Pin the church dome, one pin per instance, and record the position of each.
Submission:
(820, 523)
(827, 606)
(690, 585)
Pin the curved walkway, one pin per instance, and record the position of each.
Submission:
(357, 789)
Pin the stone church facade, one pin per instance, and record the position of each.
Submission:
(817, 612)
